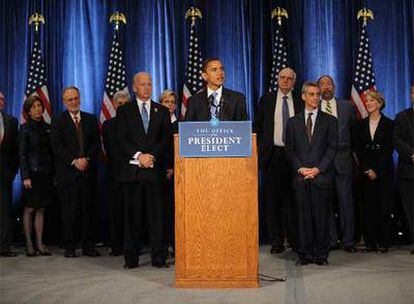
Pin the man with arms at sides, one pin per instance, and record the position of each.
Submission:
(144, 132)
(344, 111)
(215, 100)
(9, 161)
(76, 145)
(311, 142)
(114, 156)
(404, 144)
(275, 109)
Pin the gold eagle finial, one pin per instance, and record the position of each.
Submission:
(117, 18)
(279, 13)
(36, 18)
(193, 13)
(366, 14)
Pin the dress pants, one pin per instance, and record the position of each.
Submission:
(116, 215)
(377, 211)
(277, 189)
(78, 217)
(6, 222)
(170, 214)
(313, 206)
(144, 199)
(406, 187)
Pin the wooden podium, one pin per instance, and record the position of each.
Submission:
(216, 221)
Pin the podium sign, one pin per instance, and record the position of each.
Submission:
(223, 139)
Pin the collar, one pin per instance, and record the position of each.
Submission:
(140, 102)
(333, 100)
(314, 111)
(73, 115)
(173, 118)
(280, 94)
(219, 92)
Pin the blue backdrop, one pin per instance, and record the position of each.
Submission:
(322, 39)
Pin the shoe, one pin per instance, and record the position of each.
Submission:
(8, 254)
(160, 265)
(115, 252)
(31, 252)
(302, 262)
(321, 262)
(44, 253)
(277, 249)
(412, 251)
(130, 266)
(70, 254)
(91, 253)
(383, 249)
(350, 249)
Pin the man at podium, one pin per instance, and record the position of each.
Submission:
(215, 101)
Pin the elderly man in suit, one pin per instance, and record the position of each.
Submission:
(114, 156)
(275, 109)
(76, 145)
(344, 111)
(8, 168)
(311, 141)
(215, 100)
(403, 138)
(144, 132)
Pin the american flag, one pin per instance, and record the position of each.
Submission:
(36, 80)
(115, 79)
(280, 56)
(364, 77)
(193, 81)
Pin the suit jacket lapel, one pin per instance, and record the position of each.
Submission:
(137, 115)
(206, 107)
(153, 116)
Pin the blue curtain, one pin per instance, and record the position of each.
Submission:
(322, 39)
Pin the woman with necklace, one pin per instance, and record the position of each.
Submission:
(36, 170)
(373, 145)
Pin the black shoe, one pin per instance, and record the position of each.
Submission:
(70, 254)
(116, 252)
(130, 266)
(371, 248)
(412, 251)
(9, 254)
(383, 249)
(321, 262)
(350, 249)
(277, 249)
(91, 253)
(160, 265)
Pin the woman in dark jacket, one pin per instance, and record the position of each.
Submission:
(36, 170)
(373, 144)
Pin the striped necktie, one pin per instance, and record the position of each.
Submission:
(328, 107)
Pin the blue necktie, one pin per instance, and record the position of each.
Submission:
(213, 106)
(285, 116)
(144, 116)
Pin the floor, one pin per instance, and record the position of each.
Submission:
(359, 278)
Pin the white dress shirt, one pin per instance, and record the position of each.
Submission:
(219, 92)
(278, 117)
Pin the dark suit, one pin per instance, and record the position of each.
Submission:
(276, 170)
(233, 106)
(404, 144)
(346, 117)
(116, 201)
(76, 189)
(376, 154)
(9, 159)
(143, 187)
(313, 198)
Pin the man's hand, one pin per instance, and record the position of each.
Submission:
(27, 183)
(146, 160)
(371, 174)
(170, 173)
(309, 173)
(81, 164)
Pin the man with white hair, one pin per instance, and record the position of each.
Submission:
(275, 109)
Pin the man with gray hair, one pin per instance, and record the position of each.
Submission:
(113, 156)
(8, 168)
(76, 144)
(275, 108)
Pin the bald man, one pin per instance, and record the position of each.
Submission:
(144, 131)
(8, 170)
(275, 109)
